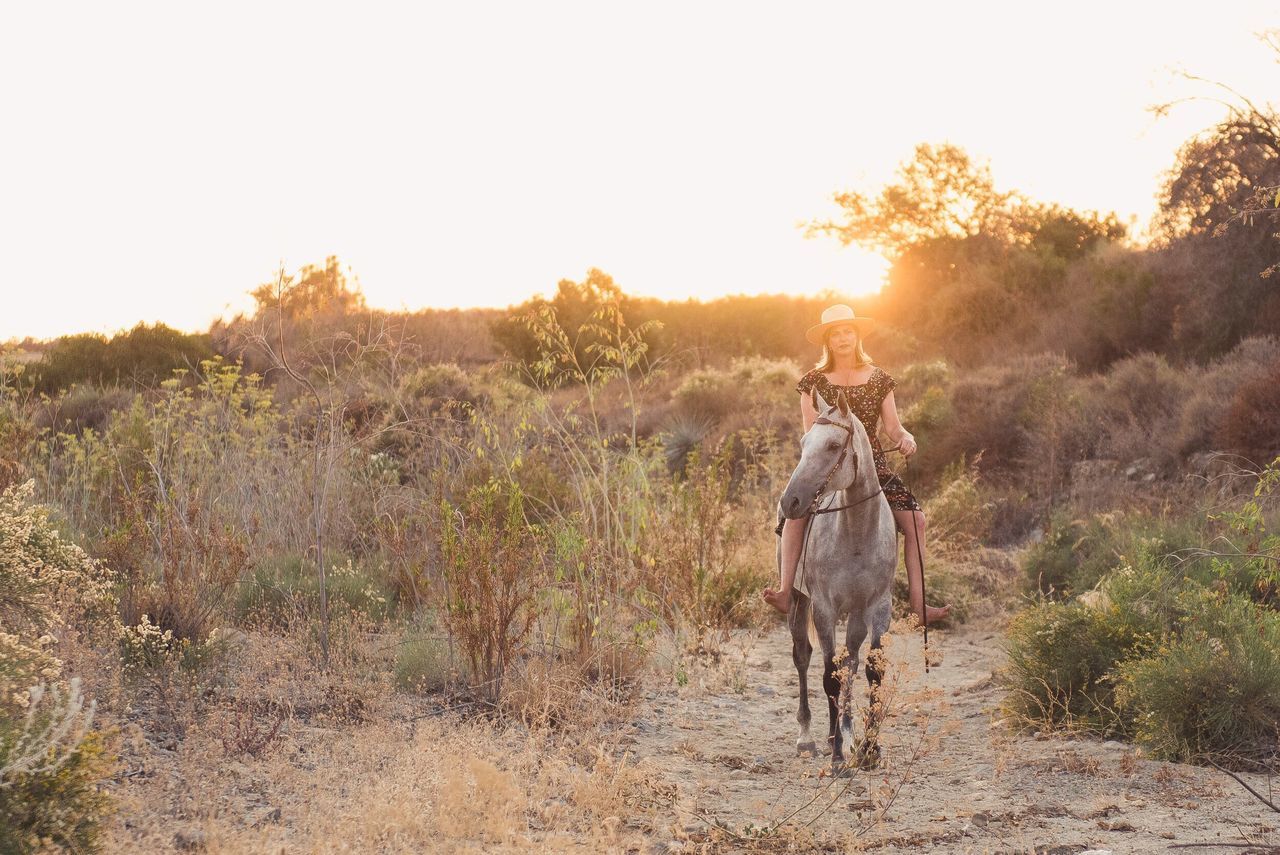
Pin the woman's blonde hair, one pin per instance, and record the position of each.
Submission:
(828, 360)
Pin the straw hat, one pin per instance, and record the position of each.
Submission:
(834, 316)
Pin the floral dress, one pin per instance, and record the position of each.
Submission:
(865, 400)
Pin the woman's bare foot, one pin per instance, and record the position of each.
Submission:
(780, 600)
(937, 613)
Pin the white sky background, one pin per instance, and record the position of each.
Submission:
(157, 161)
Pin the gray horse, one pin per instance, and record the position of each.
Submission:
(846, 569)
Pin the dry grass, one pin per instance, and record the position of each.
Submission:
(296, 759)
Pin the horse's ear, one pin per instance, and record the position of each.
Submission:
(842, 401)
(820, 404)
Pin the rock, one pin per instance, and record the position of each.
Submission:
(262, 816)
(766, 691)
(979, 819)
(1095, 599)
(190, 840)
(230, 636)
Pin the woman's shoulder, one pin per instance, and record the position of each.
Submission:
(886, 381)
(812, 377)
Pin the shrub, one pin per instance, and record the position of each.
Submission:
(920, 376)
(1070, 551)
(1061, 658)
(437, 388)
(1076, 554)
(144, 355)
(58, 805)
(1214, 689)
(1251, 426)
(688, 546)
(749, 385)
(45, 580)
(50, 760)
(279, 593)
(1182, 654)
(83, 407)
(1142, 398)
(492, 559)
(1016, 414)
(424, 662)
(957, 512)
(1206, 408)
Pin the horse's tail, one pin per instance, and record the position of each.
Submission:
(802, 601)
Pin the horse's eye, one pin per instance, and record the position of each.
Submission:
(833, 446)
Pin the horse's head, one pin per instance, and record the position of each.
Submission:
(831, 456)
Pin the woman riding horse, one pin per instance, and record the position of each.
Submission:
(845, 369)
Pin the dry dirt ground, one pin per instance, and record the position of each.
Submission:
(954, 778)
(703, 761)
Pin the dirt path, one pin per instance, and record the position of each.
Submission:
(725, 739)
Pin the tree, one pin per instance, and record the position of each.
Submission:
(974, 269)
(576, 307)
(1210, 250)
(313, 292)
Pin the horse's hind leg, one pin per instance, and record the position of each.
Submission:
(869, 752)
(801, 650)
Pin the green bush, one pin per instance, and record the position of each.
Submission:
(281, 592)
(143, 356)
(1063, 655)
(920, 376)
(441, 387)
(751, 384)
(1177, 648)
(1076, 554)
(424, 664)
(1211, 690)
(1061, 659)
(958, 513)
(61, 807)
(50, 760)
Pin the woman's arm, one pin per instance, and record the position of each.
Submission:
(893, 427)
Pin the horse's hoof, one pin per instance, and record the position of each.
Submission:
(841, 769)
(803, 748)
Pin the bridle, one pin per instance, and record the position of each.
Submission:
(844, 452)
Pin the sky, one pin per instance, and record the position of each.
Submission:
(159, 160)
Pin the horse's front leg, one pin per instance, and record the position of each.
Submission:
(868, 754)
(824, 623)
(801, 650)
(855, 634)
